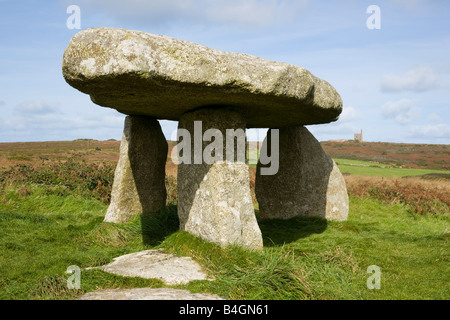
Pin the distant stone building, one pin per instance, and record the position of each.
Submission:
(358, 136)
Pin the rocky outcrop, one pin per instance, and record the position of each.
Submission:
(308, 182)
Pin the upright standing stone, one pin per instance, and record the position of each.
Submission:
(139, 180)
(214, 200)
(308, 182)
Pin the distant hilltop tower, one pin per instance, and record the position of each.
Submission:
(358, 136)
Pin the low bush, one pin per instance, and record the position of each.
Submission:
(419, 195)
(71, 177)
(62, 178)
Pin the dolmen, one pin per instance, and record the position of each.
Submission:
(215, 96)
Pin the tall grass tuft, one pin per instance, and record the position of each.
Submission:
(242, 274)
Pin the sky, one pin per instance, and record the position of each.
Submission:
(391, 67)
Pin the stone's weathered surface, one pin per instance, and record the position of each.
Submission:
(139, 180)
(147, 294)
(308, 182)
(145, 74)
(214, 200)
(156, 264)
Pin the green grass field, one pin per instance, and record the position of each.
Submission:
(42, 234)
(367, 168)
(52, 218)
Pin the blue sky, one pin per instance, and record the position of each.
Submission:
(394, 81)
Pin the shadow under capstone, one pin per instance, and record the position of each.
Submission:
(156, 226)
(277, 232)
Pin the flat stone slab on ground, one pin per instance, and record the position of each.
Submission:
(138, 73)
(155, 264)
(147, 294)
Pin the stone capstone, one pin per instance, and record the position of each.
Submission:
(147, 294)
(214, 199)
(308, 182)
(139, 179)
(138, 73)
(156, 264)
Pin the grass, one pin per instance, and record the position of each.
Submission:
(21, 158)
(377, 169)
(42, 234)
(51, 217)
(367, 168)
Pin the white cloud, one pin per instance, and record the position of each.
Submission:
(402, 111)
(333, 131)
(349, 114)
(250, 13)
(446, 67)
(438, 131)
(433, 117)
(42, 120)
(247, 13)
(61, 122)
(36, 107)
(254, 13)
(409, 4)
(417, 79)
(417, 7)
(256, 134)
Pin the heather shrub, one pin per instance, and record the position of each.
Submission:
(419, 195)
(71, 177)
(63, 178)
